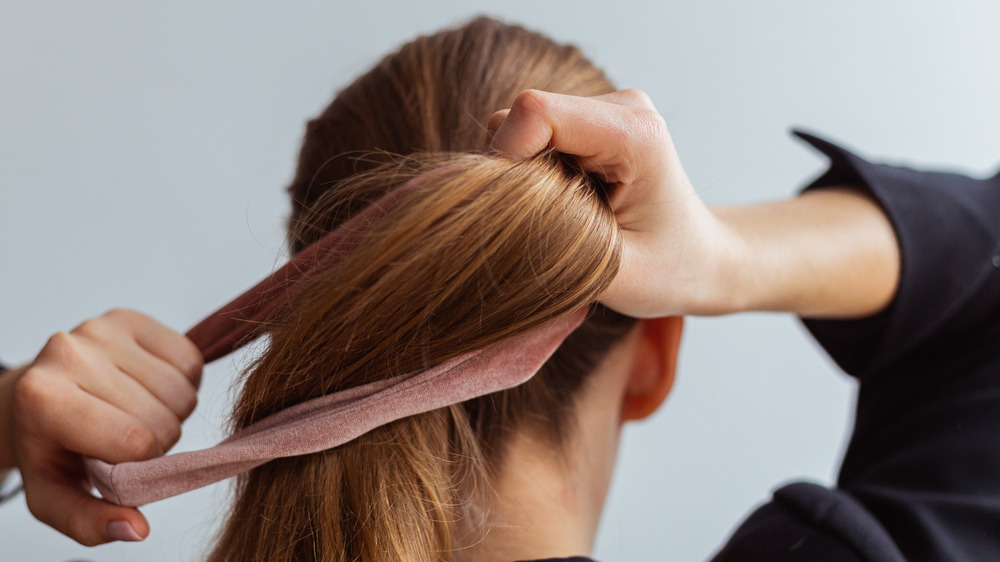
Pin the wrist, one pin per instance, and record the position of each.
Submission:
(755, 274)
(725, 276)
(8, 379)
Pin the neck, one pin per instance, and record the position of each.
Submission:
(547, 503)
(547, 500)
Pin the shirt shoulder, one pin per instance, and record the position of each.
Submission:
(805, 521)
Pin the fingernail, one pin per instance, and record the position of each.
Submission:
(122, 531)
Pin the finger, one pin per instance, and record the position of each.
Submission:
(631, 97)
(527, 128)
(161, 379)
(109, 384)
(67, 506)
(71, 369)
(607, 138)
(161, 341)
(572, 125)
(81, 423)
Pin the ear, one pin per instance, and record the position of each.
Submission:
(653, 368)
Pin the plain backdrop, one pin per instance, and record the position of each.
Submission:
(144, 147)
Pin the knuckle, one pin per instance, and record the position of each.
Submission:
(94, 328)
(62, 354)
(34, 508)
(119, 318)
(648, 123)
(190, 404)
(78, 529)
(32, 393)
(532, 101)
(74, 527)
(120, 313)
(192, 361)
(171, 435)
(37, 509)
(60, 346)
(58, 514)
(648, 126)
(88, 540)
(639, 97)
(140, 442)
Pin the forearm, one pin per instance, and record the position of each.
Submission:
(827, 253)
(7, 381)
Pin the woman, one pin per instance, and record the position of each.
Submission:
(489, 247)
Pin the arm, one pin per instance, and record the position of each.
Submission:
(7, 380)
(828, 253)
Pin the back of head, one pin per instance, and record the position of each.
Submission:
(481, 248)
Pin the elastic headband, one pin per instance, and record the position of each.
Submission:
(331, 420)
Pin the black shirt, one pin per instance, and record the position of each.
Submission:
(921, 476)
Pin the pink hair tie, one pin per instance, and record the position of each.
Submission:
(331, 420)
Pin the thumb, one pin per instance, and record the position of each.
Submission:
(69, 508)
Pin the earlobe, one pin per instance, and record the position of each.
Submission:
(654, 367)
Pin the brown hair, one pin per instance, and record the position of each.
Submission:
(483, 248)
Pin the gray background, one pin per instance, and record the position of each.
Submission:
(144, 148)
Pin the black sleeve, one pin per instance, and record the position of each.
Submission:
(923, 463)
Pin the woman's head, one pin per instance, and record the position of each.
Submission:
(481, 249)
(434, 94)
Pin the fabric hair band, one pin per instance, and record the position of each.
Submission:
(331, 420)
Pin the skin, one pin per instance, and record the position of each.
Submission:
(117, 388)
